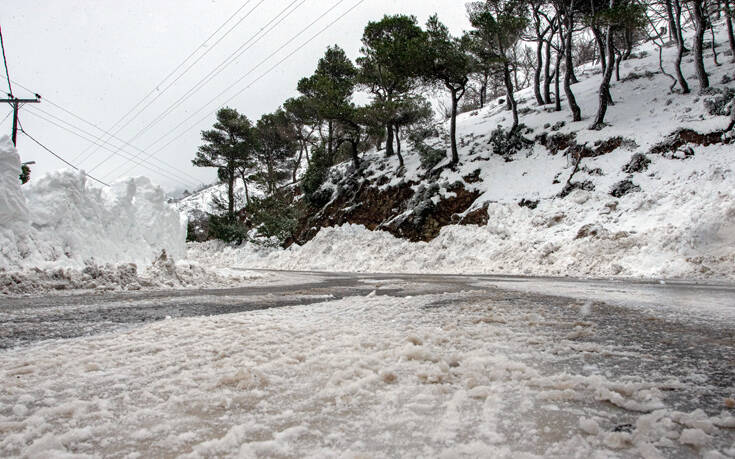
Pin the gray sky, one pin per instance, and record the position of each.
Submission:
(99, 58)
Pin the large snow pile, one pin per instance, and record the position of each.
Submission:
(59, 232)
(61, 220)
(672, 213)
(373, 376)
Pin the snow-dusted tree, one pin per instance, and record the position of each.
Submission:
(449, 64)
(277, 146)
(497, 27)
(392, 59)
(305, 121)
(328, 92)
(619, 17)
(229, 146)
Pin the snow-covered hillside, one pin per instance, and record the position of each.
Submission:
(204, 200)
(649, 203)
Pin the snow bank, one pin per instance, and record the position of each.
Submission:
(60, 220)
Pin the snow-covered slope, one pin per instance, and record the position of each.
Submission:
(204, 200)
(677, 221)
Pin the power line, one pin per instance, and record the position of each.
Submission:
(160, 172)
(5, 61)
(257, 37)
(254, 81)
(161, 92)
(6, 116)
(182, 174)
(172, 174)
(57, 156)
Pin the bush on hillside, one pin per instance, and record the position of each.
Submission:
(227, 229)
(507, 144)
(718, 101)
(429, 155)
(274, 216)
(315, 176)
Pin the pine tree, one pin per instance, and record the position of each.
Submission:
(228, 147)
(449, 64)
(497, 27)
(277, 146)
(328, 92)
(392, 60)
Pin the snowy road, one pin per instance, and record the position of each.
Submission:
(329, 364)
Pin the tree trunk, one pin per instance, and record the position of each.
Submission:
(679, 47)
(699, 26)
(453, 127)
(714, 45)
(628, 41)
(730, 34)
(537, 72)
(557, 76)
(398, 140)
(600, 46)
(389, 140)
(398, 150)
(298, 161)
(230, 192)
(547, 72)
(569, 64)
(330, 142)
(673, 30)
(483, 88)
(604, 93)
(245, 185)
(355, 155)
(509, 94)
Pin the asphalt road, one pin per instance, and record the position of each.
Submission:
(683, 330)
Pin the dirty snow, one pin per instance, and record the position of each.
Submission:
(369, 376)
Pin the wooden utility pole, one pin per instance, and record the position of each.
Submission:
(16, 103)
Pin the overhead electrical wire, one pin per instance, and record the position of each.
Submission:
(162, 168)
(176, 135)
(182, 174)
(170, 74)
(248, 44)
(57, 155)
(154, 169)
(5, 61)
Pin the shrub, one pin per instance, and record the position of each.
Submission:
(507, 144)
(227, 229)
(315, 176)
(274, 216)
(718, 104)
(429, 155)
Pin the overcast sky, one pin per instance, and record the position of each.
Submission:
(99, 58)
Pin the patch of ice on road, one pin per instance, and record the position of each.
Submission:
(372, 375)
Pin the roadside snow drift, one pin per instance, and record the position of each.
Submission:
(60, 220)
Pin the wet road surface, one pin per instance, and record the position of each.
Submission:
(682, 332)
